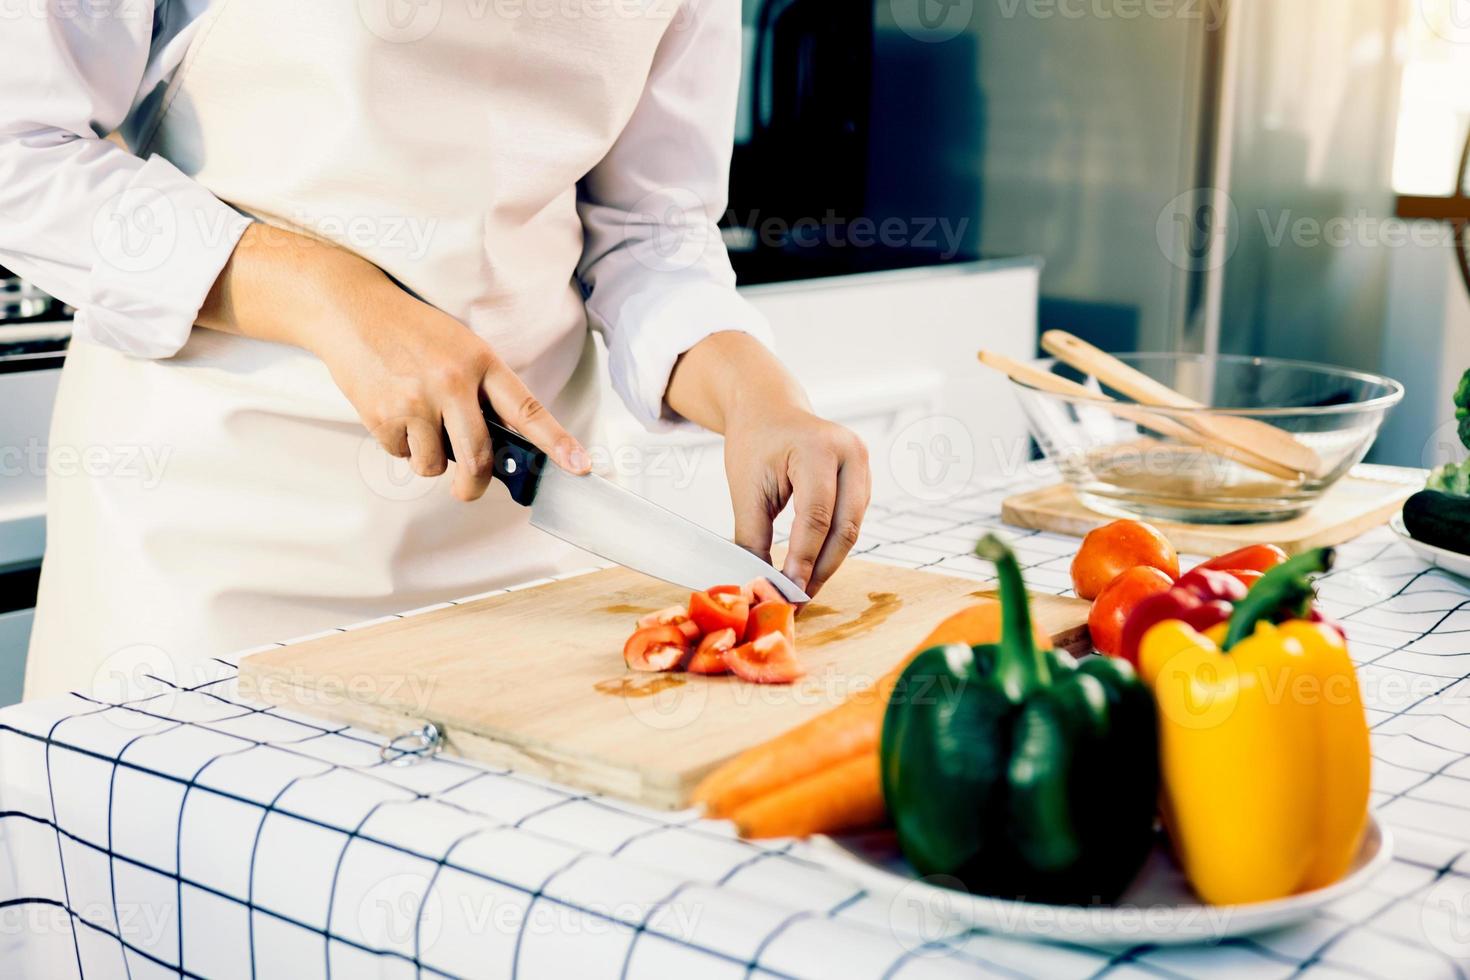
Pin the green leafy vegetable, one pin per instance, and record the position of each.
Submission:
(1451, 478)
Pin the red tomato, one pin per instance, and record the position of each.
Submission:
(672, 616)
(1246, 576)
(759, 590)
(710, 657)
(722, 607)
(1110, 550)
(768, 659)
(772, 616)
(1253, 557)
(1111, 608)
(655, 648)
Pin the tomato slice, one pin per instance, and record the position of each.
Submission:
(768, 659)
(655, 648)
(672, 616)
(719, 608)
(772, 616)
(710, 657)
(759, 590)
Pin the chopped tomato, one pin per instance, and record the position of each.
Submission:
(771, 616)
(656, 648)
(768, 659)
(759, 590)
(710, 657)
(722, 607)
(672, 616)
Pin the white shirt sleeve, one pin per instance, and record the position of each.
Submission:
(654, 269)
(134, 245)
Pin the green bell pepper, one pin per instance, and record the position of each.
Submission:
(1020, 771)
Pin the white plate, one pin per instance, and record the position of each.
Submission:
(1158, 907)
(1450, 561)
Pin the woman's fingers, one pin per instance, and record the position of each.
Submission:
(814, 488)
(854, 486)
(753, 506)
(521, 410)
(470, 440)
(425, 447)
(393, 437)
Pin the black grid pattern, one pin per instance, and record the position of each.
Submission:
(187, 832)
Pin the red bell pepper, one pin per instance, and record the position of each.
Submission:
(1203, 597)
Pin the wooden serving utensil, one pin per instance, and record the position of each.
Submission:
(1163, 425)
(1253, 436)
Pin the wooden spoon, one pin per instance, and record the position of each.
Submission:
(1164, 426)
(1253, 436)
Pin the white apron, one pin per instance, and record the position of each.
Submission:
(229, 496)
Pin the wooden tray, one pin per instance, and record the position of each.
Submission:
(534, 679)
(1358, 502)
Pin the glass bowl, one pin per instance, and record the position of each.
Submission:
(1210, 465)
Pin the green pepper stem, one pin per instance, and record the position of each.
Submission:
(1285, 588)
(1019, 666)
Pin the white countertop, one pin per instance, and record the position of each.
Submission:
(188, 828)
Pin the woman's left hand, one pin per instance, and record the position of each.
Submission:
(779, 453)
(776, 451)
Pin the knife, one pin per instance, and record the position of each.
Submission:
(599, 516)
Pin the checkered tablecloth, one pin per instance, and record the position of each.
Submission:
(186, 831)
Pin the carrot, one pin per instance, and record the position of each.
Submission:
(852, 728)
(847, 796)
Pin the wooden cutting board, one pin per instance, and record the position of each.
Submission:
(1358, 502)
(534, 679)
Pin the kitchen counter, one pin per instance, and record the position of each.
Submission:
(186, 831)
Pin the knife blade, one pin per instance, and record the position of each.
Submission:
(615, 523)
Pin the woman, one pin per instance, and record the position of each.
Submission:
(333, 219)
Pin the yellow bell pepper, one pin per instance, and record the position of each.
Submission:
(1263, 750)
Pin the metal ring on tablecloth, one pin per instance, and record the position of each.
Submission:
(412, 747)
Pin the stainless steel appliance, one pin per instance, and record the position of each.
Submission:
(19, 300)
(34, 333)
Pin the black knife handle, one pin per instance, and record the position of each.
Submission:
(515, 460)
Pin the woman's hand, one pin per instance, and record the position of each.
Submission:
(411, 371)
(776, 451)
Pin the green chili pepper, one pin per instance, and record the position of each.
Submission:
(1284, 592)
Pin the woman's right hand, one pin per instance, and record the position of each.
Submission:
(411, 371)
